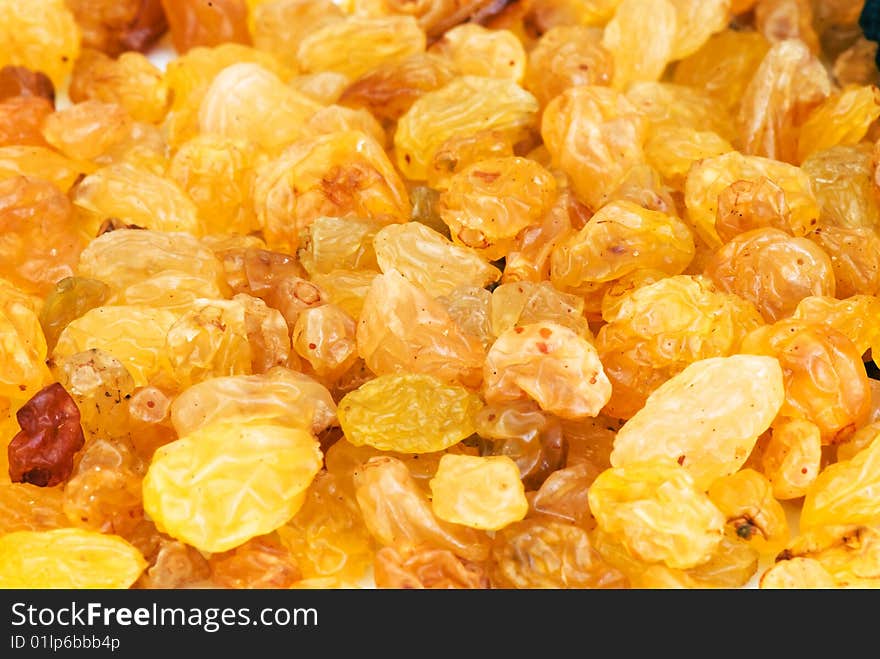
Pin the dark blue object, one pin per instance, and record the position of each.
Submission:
(869, 21)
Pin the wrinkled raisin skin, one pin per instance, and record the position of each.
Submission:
(42, 453)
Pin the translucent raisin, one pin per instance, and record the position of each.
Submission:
(114, 27)
(197, 23)
(547, 553)
(426, 567)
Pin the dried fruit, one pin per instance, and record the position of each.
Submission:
(440, 294)
(747, 501)
(356, 45)
(131, 80)
(464, 106)
(550, 364)
(479, 492)
(280, 395)
(21, 119)
(567, 56)
(261, 562)
(488, 203)
(545, 553)
(731, 400)
(595, 135)
(842, 119)
(657, 511)
(225, 483)
(656, 330)
(792, 458)
(104, 492)
(411, 413)
(281, 25)
(135, 335)
(248, 101)
(67, 558)
(27, 507)
(430, 260)
(843, 492)
(41, 35)
(788, 84)
(724, 65)
(642, 40)
(401, 329)
(114, 27)
(194, 23)
(128, 258)
(389, 89)
(225, 337)
(41, 239)
(136, 196)
(772, 270)
(478, 51)
(398, 513)
(43, 452)
(619, 239)
(530, 437)
(101, 387)
(18, 81)
(825, 379)
(842, 179)
(339, 174)
(696, 23)
(708, 179)
(426, 568)
(779, 20)
(523, 303)
(328, 537)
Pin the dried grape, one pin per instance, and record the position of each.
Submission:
(75, 558)
(717, 437)
(550, 364)
(226, 483)
(408, 413)
(479, 492)
(658, 512)
(432, 294)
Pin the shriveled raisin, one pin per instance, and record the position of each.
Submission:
(426, 567)
(43, 452)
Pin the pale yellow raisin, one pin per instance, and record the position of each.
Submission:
(135, 335)
(409, 413)
(228, 482)
(279, 395)
(706, 418)
(845, 492)
(479, 492)
(466, 105)
(657, 511)
(548, 363)
(68, 558)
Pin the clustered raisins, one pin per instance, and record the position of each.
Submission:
(441, 294)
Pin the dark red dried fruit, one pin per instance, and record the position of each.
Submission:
(42, 453)
(21, 81)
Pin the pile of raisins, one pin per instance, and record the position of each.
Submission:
(447, 294)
